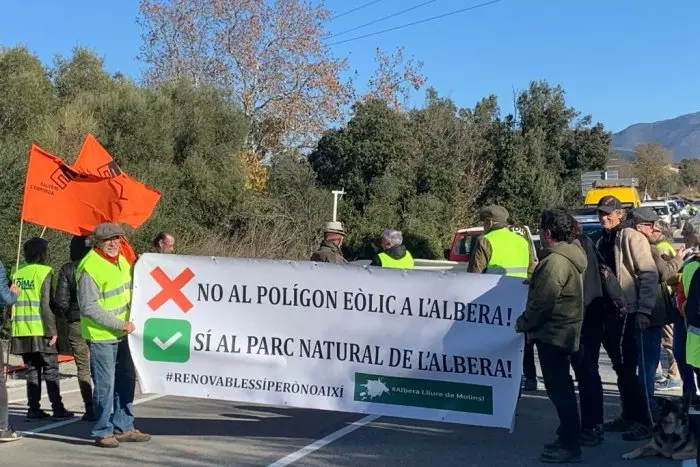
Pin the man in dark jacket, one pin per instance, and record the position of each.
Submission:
(552, 319)
(66, 302)
(8, 297)
(649, 343)
(585, 361)
(329, 250)
(394, 254)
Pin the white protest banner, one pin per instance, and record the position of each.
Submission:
(415, 344)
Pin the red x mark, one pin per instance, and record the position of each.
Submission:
(172, 289)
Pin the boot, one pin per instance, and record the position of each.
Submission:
(86, 393)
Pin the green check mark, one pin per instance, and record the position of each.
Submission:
(167, 340)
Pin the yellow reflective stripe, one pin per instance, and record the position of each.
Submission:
(117, 291)
(118, 311)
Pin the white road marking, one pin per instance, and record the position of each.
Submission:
(164, 345)
(52, 426)
(24, 399)
(318, 444)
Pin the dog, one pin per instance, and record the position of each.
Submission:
(673, 436)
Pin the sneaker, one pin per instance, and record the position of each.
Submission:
(561, 456)
(133, 436)
(617, 426)
(530, 385)
(592, 437)
(36, 415)
(107, 442)
(668, 385)
(63, 415)
(9, 435)
(637, 432)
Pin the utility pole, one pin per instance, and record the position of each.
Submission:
(336, 195)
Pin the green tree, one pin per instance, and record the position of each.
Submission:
(651, 167)
(690, 173)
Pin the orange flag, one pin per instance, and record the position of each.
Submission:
(59, 197)
(94, 159)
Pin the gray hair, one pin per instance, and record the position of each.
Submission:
(394, 237)
(691, 226)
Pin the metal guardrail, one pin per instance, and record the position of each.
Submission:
(427, 264)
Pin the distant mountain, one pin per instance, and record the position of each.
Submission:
(680, 135)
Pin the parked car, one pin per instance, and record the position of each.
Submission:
(662, 210)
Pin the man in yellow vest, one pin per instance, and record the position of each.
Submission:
(394, 254)
(502, 251)
(104, 295)
(686, 337)
(34, 330)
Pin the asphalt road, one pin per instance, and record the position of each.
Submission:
(197, 432)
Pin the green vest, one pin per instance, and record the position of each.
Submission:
(26, 315)
(114, 284)
(692, 347)
(404, 263)
(510, 253)
(687, 275)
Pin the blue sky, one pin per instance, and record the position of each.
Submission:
(622, 61)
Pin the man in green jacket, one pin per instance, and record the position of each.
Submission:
(552, 319)
(329, 250)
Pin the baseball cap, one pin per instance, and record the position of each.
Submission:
(608, 204)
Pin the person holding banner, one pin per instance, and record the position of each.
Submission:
(163, 243)
(552, 320)
(501, 251)
(34, 332)
(104, 295)
(8, 297)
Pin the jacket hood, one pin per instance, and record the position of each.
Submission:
(396, 252)
(573, 252)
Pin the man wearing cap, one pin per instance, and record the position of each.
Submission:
(627, 253)
(502, 251)
(329, 250)
(104, 296)
(649, 341)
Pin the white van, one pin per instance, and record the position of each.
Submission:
(661, 208)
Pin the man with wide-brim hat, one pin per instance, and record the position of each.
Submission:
(104, 293)
(329, 250)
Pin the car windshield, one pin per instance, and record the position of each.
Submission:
(660, 210)
(592, 230)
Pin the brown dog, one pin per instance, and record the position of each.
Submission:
(672, 436)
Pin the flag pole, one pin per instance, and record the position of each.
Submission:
(19, 243)
(43, 232)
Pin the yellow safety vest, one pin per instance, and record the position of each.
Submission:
(26, 314)
(510, 253)
(114, 284)
(692, 342)
(666, 245)
(404, 263)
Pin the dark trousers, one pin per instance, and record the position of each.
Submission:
(42, 365)
(81, 352)
(620, 342)
(590, 386)
(555, 363)
(685, 370)
(649, 353)
(4, 421)
(529, 369)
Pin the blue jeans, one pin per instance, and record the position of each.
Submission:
(685, 370)
(649, 351)
(115, 382)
